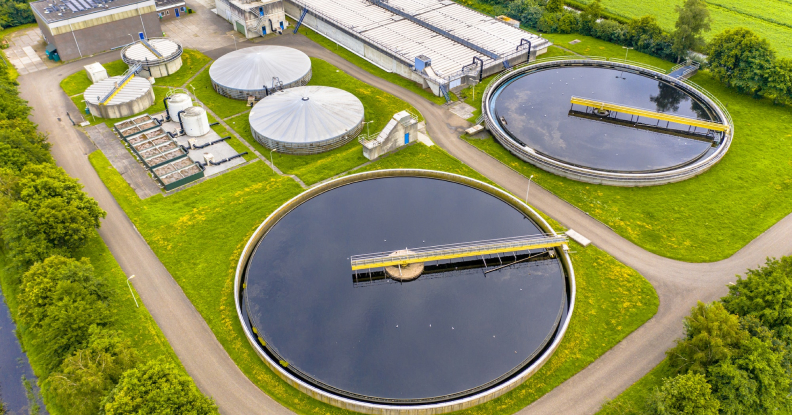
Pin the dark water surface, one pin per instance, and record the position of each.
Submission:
(13, 365)
(418, 340)
(537, 107)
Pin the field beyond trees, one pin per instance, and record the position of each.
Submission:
(770, 19)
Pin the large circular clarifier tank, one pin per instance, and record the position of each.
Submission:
(452, 338)
(307, 120)
(178, 102)
(252, 71)
(134, 97)
(530, 112)
(158, 56)
(196, 121)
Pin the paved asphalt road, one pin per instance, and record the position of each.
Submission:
(678, 284)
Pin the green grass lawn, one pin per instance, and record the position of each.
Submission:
(707, 218)
(136, 324)
(78, 82)
(590, 46)
(635, 397)
(368, 66)
(192, 62)
(613, 300)
(379, 107)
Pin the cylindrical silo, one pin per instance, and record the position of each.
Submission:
(253, 71)
(158, 56)
(123, 99)
(196, 122)
(307, 120)
(176, 103)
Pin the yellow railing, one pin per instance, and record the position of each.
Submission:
(117, 89)
(601, 105)
(468, 249)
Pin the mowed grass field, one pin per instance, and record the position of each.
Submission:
(770, 19)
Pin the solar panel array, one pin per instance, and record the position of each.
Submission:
(75, 6)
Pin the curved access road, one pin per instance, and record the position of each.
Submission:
(678, 284)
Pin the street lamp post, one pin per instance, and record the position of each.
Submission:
(133, 38)
(132, 292)
(626, 52)
(272, 162)
(529, 189)
(233, 37)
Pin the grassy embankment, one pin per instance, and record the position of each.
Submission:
(613, 300)
(707, 218)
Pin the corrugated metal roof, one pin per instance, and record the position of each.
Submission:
(134, 89)
(409, 39)
(253, 68)
(306, 114)
(139, 52)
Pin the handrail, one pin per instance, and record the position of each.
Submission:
(641, 112)
(457, 250)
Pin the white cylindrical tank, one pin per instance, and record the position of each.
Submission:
(196, 122)
(176, 103)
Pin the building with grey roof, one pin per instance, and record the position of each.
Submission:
(438, 43)
(80, 28)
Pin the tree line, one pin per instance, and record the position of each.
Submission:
(736, 57)
(736, 355)
(15, 13)
(86, 364)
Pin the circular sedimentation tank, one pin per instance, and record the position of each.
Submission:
(530, 112)
(160, 57)
(134, 97)
(253, 71)
(307, 119)
(447, 340)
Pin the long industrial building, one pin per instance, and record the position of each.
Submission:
(438, 43)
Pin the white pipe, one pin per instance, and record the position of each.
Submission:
(142, 24)
(75, 39)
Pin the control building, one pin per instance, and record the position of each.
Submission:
(253, 18)
(80, 28)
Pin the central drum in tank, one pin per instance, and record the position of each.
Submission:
(440, 339)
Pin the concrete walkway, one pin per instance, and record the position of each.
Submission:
(119, 157)
(678, 284)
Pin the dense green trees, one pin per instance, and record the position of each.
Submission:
(51, 214)
(741, 59)
(90, 373)
(694, 19)
(64, 315)
(15, 13)
(156, 388)
(688, 394)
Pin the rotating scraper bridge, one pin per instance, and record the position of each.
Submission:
(454, 251)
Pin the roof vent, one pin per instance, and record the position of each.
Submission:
(305, 98)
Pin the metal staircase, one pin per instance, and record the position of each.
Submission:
(299, 22)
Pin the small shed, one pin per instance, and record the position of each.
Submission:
(96, 72)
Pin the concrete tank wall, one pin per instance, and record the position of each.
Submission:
(162, 70)
(126, 109)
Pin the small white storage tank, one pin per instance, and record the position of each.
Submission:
(158, 56)
(134, 96)
(177, 102)
(196, 122)
(96, 72)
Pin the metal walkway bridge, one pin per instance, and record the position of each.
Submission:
(607, 106)
(460, 250)
(128, 75)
